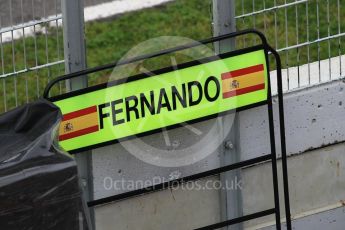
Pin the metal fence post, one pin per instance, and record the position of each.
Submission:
(75, 60)
(231, 199)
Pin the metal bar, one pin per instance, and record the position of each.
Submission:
(318, 37)
(57, 40)
(273, 151)
(311, 42)
(243, 23)
(329, 42)
(297, 41)
(46, 39)
(254, 20)
(3, 70)
(29, 24)
(24, 56)
(265, 17)
(239, 220)
(339, 40)
(74, 42)
(35, 45)
(276, 7)
(282, 139)
(308, 46)
(275, 26)
(13, 58)
(32, 69)
(224, 22)
(75, 60)
(287, 52)
(169, 184)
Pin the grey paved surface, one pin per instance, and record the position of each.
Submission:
(26, 10)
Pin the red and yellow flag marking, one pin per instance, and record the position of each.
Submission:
(79, 123)
(243, 81)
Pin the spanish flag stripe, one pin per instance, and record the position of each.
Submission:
(79, 133)
(79, 123)
(244, 71)
(79, 113)
(243, 90)
(244, 81)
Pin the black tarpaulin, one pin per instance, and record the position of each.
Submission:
(39, 186)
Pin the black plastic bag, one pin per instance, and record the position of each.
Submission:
(39, 185)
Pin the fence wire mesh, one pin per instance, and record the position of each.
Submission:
(307, 33)
(31, 49)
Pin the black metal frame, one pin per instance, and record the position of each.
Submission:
(158, 72)
(269, 157)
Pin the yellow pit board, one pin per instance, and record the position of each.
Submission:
(144, 104)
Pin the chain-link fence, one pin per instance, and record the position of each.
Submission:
(307, 33)
(31, 49)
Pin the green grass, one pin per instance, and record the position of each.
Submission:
(109, 40)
